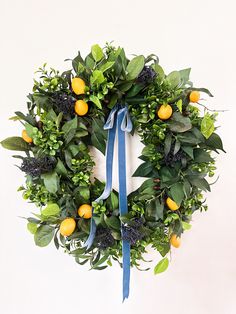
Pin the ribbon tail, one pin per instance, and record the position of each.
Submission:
(108, 186)
(123, 206)
(126, 268)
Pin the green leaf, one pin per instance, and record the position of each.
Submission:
(188, 150)
(167, 144)
(84, 191)
(204, 90)
(43, 235)
(184, 75)
(179, 105)
(200, 183)
(96, 101)
(215, 142)
(70, 125)
(201, 155)
(30, 130)
(144, 170)
(114, 201)
(177, 192)
(97, 52)
(98, 141)
(173, 79)
(32, 227)
(179, 123)
(51, 210)
(160, 72)
(187, 188)
(154, 209)
(161, 266)
(186, 225)
(106, 66)
(60, 168)
(207, 126)
(112, 222)
(101, 261)
(15, 143)
(51, 181)
(134, 67)
(97, 77)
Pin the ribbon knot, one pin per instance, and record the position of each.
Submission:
(118, 119)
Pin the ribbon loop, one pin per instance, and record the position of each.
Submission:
(118, 118)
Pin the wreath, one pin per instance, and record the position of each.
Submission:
(70, 112)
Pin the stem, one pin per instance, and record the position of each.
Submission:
(211, 109)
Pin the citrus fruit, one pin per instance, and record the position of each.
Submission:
(171, 204)
(26, 137)
(78, 85)
(85, 211)
(175, 240)
(194, 96)
(164, 112)
(81, 107)
(67, 227)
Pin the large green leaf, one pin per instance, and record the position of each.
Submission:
(32, 227)
(112, 222)
(51, 181)
(15, 143)
(177, 192)
(200, 183)
(96, 101)
(97, 77)
(97, 52)
(215, 142)
(106, 66)
(201, 155)
(51, 210)
(134, 67)
(44, 235)
(154, 209)
(207, 126)
(161, 266)
(173, 79)
(144, 170)
(178, 123)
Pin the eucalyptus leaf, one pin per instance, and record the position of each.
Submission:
(134, 67)
(43, 235)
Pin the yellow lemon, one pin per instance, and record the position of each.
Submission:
(171, 204)
(85, 211)
(67, 227)
(26, 137)
(164, 112)
(194, 96)
(175, 240)
(81, 107)
(78, 85)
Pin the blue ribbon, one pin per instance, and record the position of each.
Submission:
(118, 119)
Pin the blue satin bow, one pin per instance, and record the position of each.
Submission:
(118, 119)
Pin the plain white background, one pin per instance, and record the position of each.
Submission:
(199, 34)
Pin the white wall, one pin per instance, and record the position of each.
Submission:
(200, 34)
